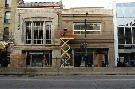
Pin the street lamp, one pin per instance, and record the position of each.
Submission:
(85, 43)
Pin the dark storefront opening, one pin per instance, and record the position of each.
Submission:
(4, 57)
(126, 60)
(96, 57)
(38, 58)
(126, 47)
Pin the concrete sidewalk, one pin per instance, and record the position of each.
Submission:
(69, 71)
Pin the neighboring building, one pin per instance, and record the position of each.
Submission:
(96, 48)
(7, 9)
(1, 18)
(126, 33)
(7, 22)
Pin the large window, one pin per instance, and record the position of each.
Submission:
(36, 58)
(38, 32)
(126, 35)
(48, 32)
(28, 32)
(91, 28)
(133, 33)
(7, 17)
(121, 37)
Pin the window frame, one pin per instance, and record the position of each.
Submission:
(82, 31)
(125, 37)
(33, 27)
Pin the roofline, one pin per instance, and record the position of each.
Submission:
(36, 6)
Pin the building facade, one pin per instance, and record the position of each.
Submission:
(94, 41)
(8, 9)
(126, 34)
(36, 41)
(46, 35)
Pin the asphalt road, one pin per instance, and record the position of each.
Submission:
(69, 82)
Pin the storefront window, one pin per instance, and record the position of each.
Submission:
(96, 57)
(38, 58)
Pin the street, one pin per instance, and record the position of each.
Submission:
(69, 82)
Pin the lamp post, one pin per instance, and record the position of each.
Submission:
(85, 43)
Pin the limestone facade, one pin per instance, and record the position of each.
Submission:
(38, 37)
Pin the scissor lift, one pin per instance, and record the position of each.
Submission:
(65, 47)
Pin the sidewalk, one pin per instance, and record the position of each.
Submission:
(69, 71)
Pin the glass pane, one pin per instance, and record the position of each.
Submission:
(41, 34)
(28, 32)
(90, 27)
(48, 33)
(128, 35)
(28, 41)
(35, 34)
(82, 27)
(96, 27)
(76, 27)
(121, 39)
(82, 32)
(76, 32)
(28, 23)
(48, 41)
(7, 15)
(133, 35)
